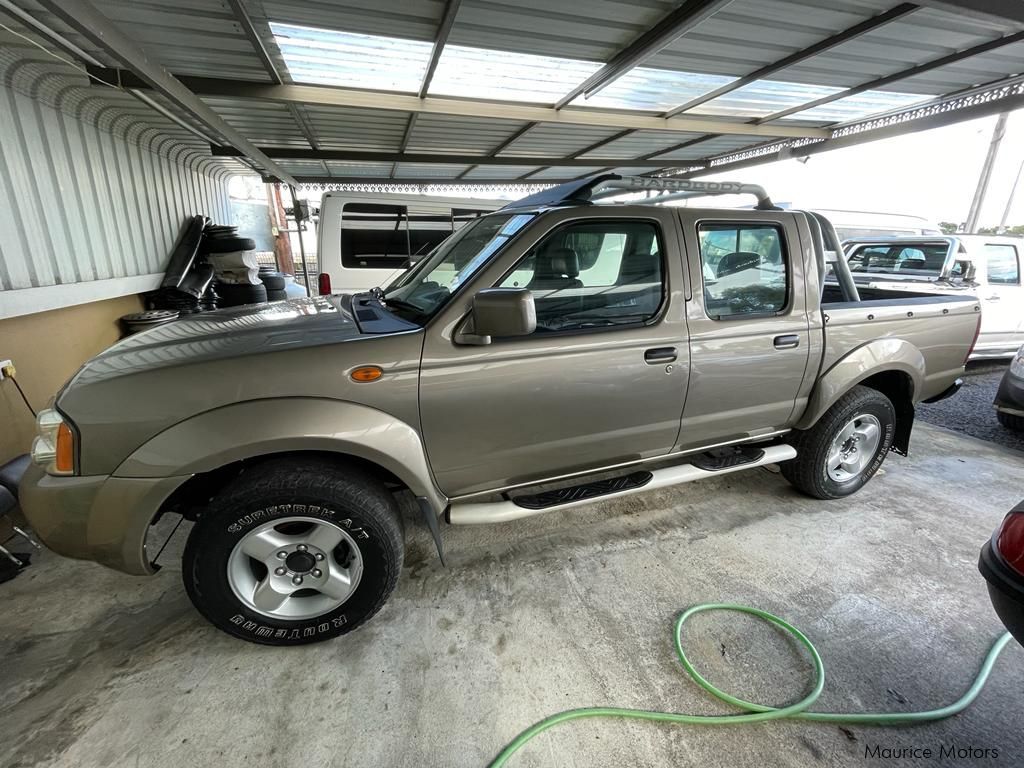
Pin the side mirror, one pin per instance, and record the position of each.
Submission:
(501, 312)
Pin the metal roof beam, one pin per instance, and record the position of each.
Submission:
(795, 58)
(330, 96)
(245, 22)
(952, 58)
(296, 153)
(986, 100)
(444, 29)
(668, 30)
(101, 32)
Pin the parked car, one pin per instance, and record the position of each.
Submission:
(1002, 565)
(547, 354)
(858, 224)
(367, 239)
(986, 266)
(1009, 402)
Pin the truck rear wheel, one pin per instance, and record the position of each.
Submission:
(838, 455)
(294, 551)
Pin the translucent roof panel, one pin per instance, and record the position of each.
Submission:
(327, 57)
(762, 98)
(657, 90)
(485, 74)
(860, 106)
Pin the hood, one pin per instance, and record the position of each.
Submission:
(228, 333)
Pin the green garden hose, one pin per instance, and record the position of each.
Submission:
(757, 713)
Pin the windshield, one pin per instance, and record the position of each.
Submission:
(918, 260)
(419, 293)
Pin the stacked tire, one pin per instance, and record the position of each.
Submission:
(234, 260)
(274, 282)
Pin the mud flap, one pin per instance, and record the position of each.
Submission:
(435, 529)
(904, 426)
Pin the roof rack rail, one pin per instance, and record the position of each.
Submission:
(607, 185)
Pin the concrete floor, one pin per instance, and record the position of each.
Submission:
(567, 610)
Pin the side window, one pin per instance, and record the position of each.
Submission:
(374, 236)
(745, 268)
(593, 275)
(1002, 263)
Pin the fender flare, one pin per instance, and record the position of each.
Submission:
(878, 356)
(255, 428)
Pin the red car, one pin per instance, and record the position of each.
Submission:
(1002, 565)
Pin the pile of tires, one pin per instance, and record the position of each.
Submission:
(274, 282)
(234, 262)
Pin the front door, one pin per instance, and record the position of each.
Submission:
(601, 382)
(748, 323)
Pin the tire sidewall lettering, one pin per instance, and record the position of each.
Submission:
(280, 511)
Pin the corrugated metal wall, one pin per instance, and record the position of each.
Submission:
(78, 203)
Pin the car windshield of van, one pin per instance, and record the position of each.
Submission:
(419, 293)
(920, 260)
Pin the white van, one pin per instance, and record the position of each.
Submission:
(987, 266)
(366, 239)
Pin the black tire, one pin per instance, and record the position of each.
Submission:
(227, 244)
(272, 281)
(1008, 420)
(353, 499)
(236, 295)
(809, 470)
(277, 295)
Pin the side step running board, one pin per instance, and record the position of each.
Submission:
(470, 513)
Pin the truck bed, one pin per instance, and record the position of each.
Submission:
(941, 327)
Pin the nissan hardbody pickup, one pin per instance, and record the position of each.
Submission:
(578, 344)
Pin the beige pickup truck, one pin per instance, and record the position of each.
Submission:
(569, 347)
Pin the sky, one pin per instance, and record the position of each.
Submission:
(930, 173)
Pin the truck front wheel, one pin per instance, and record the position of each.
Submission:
(294, 551)
(838, 455)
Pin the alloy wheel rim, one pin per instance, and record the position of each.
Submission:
(295, 568)
(853, 448)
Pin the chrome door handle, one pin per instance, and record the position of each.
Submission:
(788, 341)
(660, 355)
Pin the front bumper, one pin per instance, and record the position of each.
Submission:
(98, 518)
(1005, 588)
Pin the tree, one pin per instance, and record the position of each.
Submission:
(948, 227)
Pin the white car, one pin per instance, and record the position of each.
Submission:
(987, 266)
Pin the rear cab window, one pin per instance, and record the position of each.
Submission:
(745, 267)
(918, 260)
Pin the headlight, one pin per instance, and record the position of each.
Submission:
(54, 446)
(1017, 366)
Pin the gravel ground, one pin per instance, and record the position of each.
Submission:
(970, 410)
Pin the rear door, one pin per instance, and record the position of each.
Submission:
(1002, 297)
(750, 340)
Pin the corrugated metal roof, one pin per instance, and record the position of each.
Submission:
(556, 172)
(498, 172)
(556, 140)
(465, 135)
(365, 129)
(714, 146)
(640, 143)
(532, 51)
(337, 168)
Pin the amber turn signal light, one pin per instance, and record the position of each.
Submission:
(367, 373)
(65, 458)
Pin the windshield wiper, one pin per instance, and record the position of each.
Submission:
(400, 304)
